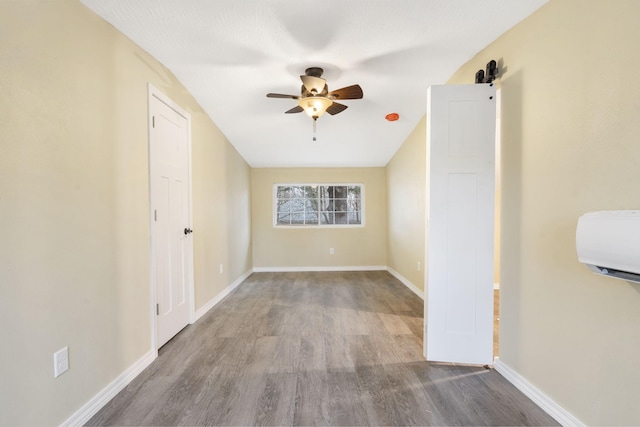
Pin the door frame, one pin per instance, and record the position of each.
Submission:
(154, 94)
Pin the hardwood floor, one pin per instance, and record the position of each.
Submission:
(329, 348)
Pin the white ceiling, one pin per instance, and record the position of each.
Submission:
(230, 53)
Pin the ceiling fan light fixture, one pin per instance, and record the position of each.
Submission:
(315, 106)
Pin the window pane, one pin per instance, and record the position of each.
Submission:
(354, 204)
(297, 217)
(297, 205)
(284, 217)
(354, 198)
(354, 218)
(325, 197)
(283, 209)
(340, 218)
(311, 192)
(310, 205)
(340, 192)
(340, 205)
(326, 218)
(284, 205)
(311, 218)
(283, 192)
(295, 191)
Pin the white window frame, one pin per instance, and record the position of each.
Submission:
(274, 202)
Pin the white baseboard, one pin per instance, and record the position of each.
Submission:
(334, 268)
(560, 414)
(406, 282)
(92, 407)
(215, 300)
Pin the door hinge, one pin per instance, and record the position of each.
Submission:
(157, 309)
(155, 215)
(153, 121)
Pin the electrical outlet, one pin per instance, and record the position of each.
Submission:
(331, 251)
(60, 362)
(221, 268)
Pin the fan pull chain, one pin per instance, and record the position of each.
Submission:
(314, 129)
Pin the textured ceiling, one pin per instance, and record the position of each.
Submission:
(229, 54)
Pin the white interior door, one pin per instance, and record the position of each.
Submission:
(460, 223)
(171, 218)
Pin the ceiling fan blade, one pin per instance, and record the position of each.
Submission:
(312, 83)
(336, 108)
(349, 92)
(296, 109)
(280, 95)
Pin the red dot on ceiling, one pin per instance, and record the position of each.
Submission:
(392, 117)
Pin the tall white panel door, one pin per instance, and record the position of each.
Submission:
(461, 122)
(171, 218)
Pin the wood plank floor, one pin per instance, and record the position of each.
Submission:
(315, 348)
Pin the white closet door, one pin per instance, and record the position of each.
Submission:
(460, 223)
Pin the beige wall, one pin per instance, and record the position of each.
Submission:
(570, 144)
(221, 211)
(309, 247)
(406, 186)
(74, 251)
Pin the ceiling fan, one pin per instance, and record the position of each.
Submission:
(315, 98)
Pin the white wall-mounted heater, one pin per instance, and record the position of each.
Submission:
(608, 243)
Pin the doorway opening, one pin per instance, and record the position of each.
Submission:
(496, 240)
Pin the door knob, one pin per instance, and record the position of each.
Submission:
(187, 231)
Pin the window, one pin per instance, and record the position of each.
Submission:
(318, 205)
